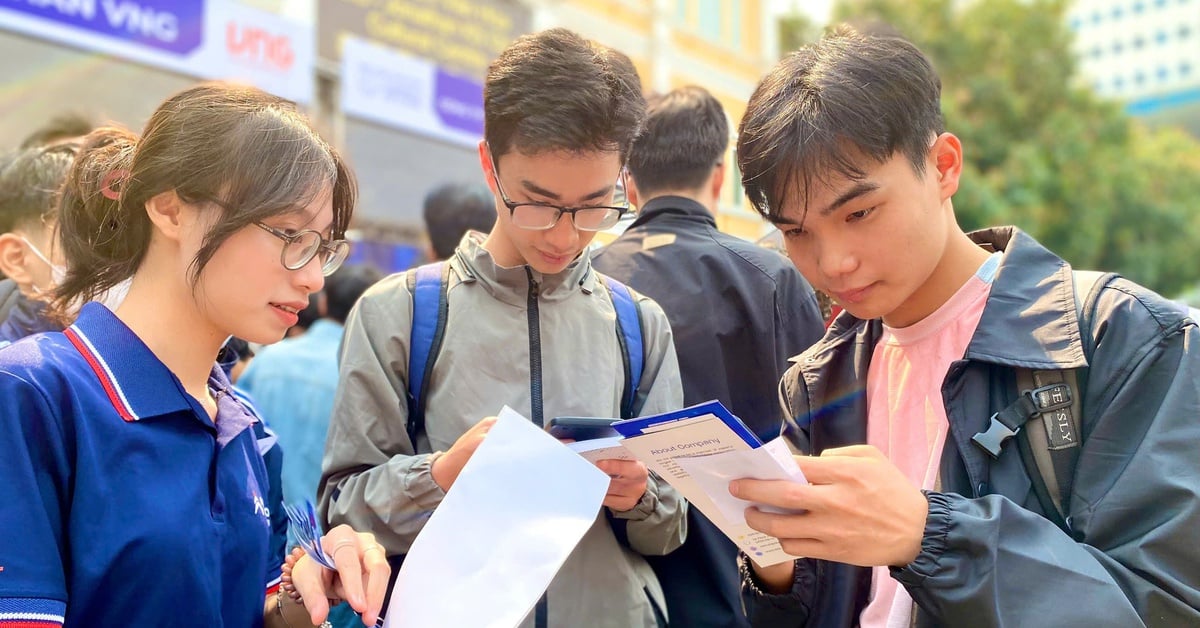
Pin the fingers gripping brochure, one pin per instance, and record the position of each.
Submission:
(698, 451)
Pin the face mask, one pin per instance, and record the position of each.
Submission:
(57, 272)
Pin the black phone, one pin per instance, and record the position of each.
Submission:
(581, 427)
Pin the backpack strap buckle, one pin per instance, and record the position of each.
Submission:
(1006, 423)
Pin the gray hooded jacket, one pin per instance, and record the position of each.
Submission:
(376, 480)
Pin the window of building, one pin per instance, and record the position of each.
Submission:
(1139, 78)
(1185, 31)
(1161, 37)
(1118, 47)
(1118, 12)
(1118, 84)
(1139, 42)
(1139, 7)
(1185, 69)
(1162, 73)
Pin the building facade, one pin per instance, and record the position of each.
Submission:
(1145, 53)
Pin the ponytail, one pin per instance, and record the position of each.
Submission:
(103, 238)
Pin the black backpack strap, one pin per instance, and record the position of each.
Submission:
(1051, 453)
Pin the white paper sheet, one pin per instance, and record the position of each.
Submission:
(665, 448)
(489, 551)
(713, 474)
(599, 449)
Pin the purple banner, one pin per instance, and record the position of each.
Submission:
(175, 26)
(458, 102)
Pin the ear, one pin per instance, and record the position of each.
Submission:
(489, 169)
(947, 156)
(165, 210)
(13, 257)
(717, 180)
(631, 192)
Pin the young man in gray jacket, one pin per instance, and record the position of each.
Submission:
(956, 480)
(531, 325)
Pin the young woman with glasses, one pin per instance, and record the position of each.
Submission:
(134, 491)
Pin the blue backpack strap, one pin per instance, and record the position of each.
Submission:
(427, 284)
(629, 335)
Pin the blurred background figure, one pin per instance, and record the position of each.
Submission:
(66, 127)
(29, 183)
(451, 210)
(292, 382)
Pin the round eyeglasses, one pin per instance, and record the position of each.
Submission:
(543, 216)
(301, 247)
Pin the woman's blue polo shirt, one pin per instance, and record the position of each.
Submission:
(123, 503)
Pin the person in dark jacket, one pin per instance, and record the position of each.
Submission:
(908, 520)
(712, 286)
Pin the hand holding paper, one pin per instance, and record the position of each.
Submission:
(860, 509)
(699, 439)
(629, 478)
(501, 533)
(446, 468)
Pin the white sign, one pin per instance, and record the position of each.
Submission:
(399, 90)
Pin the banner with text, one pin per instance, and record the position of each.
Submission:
(407, 92)
(212, 39)
(462, 36)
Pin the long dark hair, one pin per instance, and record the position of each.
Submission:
(237, 150)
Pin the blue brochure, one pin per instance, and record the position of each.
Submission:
(641, 425)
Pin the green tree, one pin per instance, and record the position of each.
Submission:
(1042, 150)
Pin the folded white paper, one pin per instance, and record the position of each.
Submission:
(713, 474)
(709, 439)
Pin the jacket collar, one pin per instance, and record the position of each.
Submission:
(136, 382)
(473, 263)
(1029, 320)
(679, 206)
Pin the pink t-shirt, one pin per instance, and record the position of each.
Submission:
(906, 418)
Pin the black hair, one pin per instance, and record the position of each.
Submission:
(65, 126)
(452, 209)
(555, 90)
(685, 137)
(344, 287)
(233, 149)
(30, 180)
(312, 312)
(832, 107)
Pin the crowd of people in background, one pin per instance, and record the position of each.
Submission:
(183, 352)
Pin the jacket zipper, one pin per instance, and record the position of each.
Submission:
(535, 352)
(541, 612)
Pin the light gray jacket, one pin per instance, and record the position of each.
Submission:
(376, 480)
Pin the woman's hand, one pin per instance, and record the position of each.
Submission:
(361, 577)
